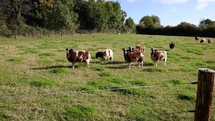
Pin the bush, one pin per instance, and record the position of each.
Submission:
(183, 29)
(4, 31)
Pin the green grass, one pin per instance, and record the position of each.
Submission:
(79, 112)
(16, 59)
(59, 70)
(38, 83)
(29, 51)
(186, 97)
(47, 54)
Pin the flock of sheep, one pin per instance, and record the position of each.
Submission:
(203, 40)
(130, 54)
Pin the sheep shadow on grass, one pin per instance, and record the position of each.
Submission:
(51, 67)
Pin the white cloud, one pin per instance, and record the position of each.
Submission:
(170, 1)
(201, 4)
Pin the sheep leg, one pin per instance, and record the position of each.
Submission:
(141, 64)
(111, 58)
(155, 63)
(164, 63)
(73, 66)
(129, 65)
(88, 64)
(103, 61)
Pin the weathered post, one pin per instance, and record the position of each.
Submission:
(204, 94)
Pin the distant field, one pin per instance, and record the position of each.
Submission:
(38, 83)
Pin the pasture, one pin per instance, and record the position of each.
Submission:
(38, 83)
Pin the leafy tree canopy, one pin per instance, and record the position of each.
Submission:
(150, 21)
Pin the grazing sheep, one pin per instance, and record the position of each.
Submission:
(78, 56)
(172, 45)
(158, 56)
(196, 38)
(203, 40)
(210, 41)
(130, 49)
(131, 56)
(106, 54)
(141, 48)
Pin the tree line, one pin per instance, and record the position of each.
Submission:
(28, 17)
(151, 25)
(20, 17)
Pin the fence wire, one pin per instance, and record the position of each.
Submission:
(91, 91)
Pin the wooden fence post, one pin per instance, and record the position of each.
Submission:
(204, 97)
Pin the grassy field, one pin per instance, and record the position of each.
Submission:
(38, 83)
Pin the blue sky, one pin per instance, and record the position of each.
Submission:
(170, 12)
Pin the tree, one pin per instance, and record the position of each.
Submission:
(56, 15)
(69, 15)
(156, 21)
(99, 15)
(129, 23)
(62, 16)
(147, 21)
(206, 23)
(14, 10)
(185, 28)
(83, 10)
(150, 21)
(115, 14)
(3, 26)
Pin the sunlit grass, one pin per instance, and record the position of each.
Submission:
(79, 112)
(41, 84)
(16, 59)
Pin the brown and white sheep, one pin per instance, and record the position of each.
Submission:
(141, 48)
(196, 38)
(210, 41)
(78, 56)
(203, 40)
(158, 56)
(132, 56)
(106, 54)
